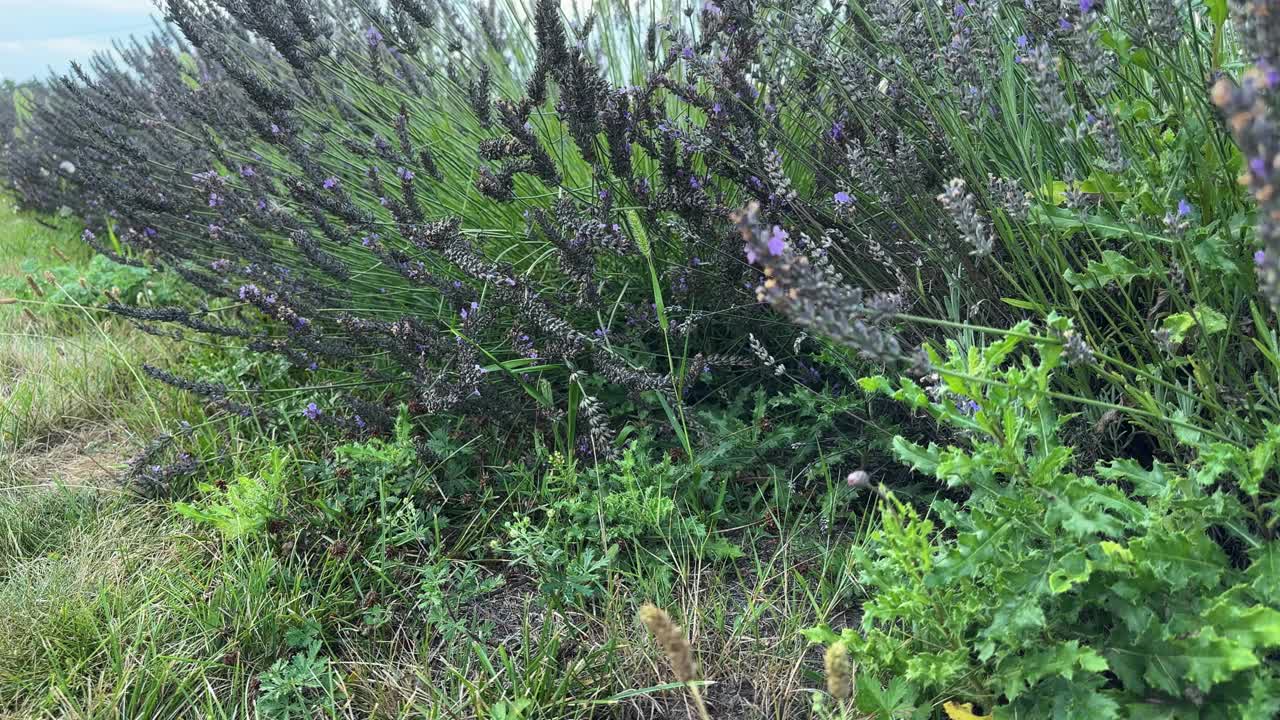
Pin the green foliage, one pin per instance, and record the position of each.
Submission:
(244, 506)
(304, 686)
(70, 289)
(1039, 592)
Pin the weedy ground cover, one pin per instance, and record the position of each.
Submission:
(941, 332)
(289, 580)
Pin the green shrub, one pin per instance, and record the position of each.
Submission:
(1039, 592)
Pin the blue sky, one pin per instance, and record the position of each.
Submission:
(36, 35)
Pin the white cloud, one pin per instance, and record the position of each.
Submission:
(115, 6)
(71, 46)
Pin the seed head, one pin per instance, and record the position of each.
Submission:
(672, 639)
(839, 671)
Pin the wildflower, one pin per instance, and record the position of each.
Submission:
(843, 198)
(1259, 257)
(1177, 221)
(330, 183)
(247, 171)
(312, 412)
(777, 241)
(404, 174)
(373, 36)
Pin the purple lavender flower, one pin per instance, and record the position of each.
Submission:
(716, 109)
(842, 198)
(247, 171)
(1086, 5)
(312, 412)
(215, 200)
(150, 232)
(404, 174)
(1184, 208)
(220, 265)
(1022, 42)
(778, 240)
(88, 235)
(687, 53)
(359, 421)
(711, 8)
(262, 204)
(1258, 166)
(1259, 257)
(373, 36)
(275, 129)
(330, 183)
(960, 10)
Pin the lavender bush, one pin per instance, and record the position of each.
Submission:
(498, 212)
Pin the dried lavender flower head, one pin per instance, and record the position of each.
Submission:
(962, 206)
